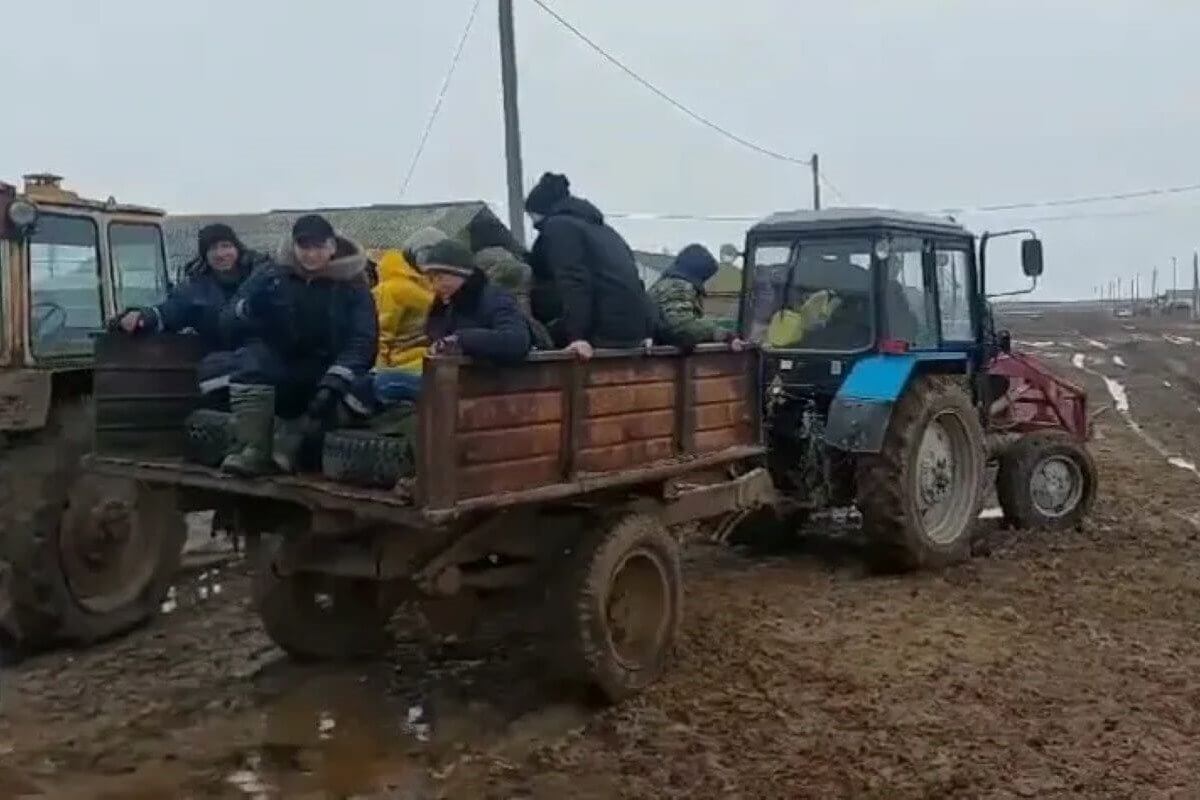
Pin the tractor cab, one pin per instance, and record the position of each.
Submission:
(67, 264)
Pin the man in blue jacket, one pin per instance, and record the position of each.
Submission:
(470, 315)
(210, 280)
(305, 332)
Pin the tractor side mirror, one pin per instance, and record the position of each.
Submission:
(1031, 257)
(729, 253)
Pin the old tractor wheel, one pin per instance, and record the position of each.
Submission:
(366, 458)
(315, 617)
(920, 495)
(1046, 481)
(210, 436)
(82, 557)
(622, 595)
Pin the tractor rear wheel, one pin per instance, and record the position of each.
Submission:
(1046, 481)
(82, 557)
(920, 495)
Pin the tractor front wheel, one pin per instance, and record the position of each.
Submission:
(1046, 481)
(920, 495)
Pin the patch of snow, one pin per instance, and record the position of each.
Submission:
(1183, 463)
(325, 725)
(216, 589)
(1096, 344)
(991, 513)
(1078, 361)
(1038, 345)
(1120, 362)
(168, 606)
(1166, 384)
(1117, 391)
(202, 592)
(1178, 339)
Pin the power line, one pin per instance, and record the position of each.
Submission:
(437, 103)
(1075, 201)
(661, 94)
(833, 189)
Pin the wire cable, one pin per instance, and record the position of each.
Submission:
(833, 189)
(1076, 201)
(662, 95)
(437, 103)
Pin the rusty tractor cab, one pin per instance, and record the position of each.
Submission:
(552, 484)
(81, 557)
(889, 389)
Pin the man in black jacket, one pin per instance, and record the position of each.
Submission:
(470, 315)
(210, 281)
(585, 283)
(304, 331)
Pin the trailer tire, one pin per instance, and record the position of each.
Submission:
(364, 458)
(622, 600)
(210, 436)
(315, 617)
(1046, 481)
(933, 460)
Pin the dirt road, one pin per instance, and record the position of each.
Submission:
(1047, 666)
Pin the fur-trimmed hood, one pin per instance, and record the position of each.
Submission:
(349, 262)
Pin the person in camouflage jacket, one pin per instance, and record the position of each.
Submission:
(679, 296)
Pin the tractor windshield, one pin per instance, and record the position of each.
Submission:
(812, 295)
(64, 286)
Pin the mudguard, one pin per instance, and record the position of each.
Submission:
(862, 408)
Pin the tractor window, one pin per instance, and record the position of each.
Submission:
(954, 298)
(909, 304)
(138, 264)
(64, 286)
(818, 300)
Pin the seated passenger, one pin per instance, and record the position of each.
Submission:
(586, 288)
(305, 332)
(679, 296)
(501, 258)
(210, 281)
(402, 300)
(470, 315)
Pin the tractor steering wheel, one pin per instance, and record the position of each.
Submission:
(53, 311)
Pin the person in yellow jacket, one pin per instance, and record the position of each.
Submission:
(402, 300)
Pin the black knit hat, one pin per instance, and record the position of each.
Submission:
(447, 256)
(312, 229)
(213, 234)
(551, 190)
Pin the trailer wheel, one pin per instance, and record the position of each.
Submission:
(1046, 481)
(364, 458)
(315, 617)
(210, 436)
(622, 594)
(920, 495)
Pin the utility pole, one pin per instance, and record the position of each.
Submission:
(816, 172)
(1195, 285)
(1174, 277)
(512, 124)
(1154, 283)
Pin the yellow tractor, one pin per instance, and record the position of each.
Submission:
(82, 557)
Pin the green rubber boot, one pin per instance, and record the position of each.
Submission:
(253, 408)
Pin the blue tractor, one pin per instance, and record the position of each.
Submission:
(887, 387)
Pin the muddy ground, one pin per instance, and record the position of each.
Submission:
(1047, 666)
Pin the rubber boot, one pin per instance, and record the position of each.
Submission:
(253, 408)
(289, 439)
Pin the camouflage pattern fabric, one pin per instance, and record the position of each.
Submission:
(508, 272)
(683, 311)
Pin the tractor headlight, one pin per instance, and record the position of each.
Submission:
(22, 214)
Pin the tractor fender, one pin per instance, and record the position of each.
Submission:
(862, 408)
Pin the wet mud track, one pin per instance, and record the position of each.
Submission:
(1063, 665)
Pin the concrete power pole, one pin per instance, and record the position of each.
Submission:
(1195, 285)
(512, 124)
(816, 173)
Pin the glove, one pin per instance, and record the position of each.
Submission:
(322, 404)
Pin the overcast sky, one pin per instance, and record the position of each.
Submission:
(224, 106)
